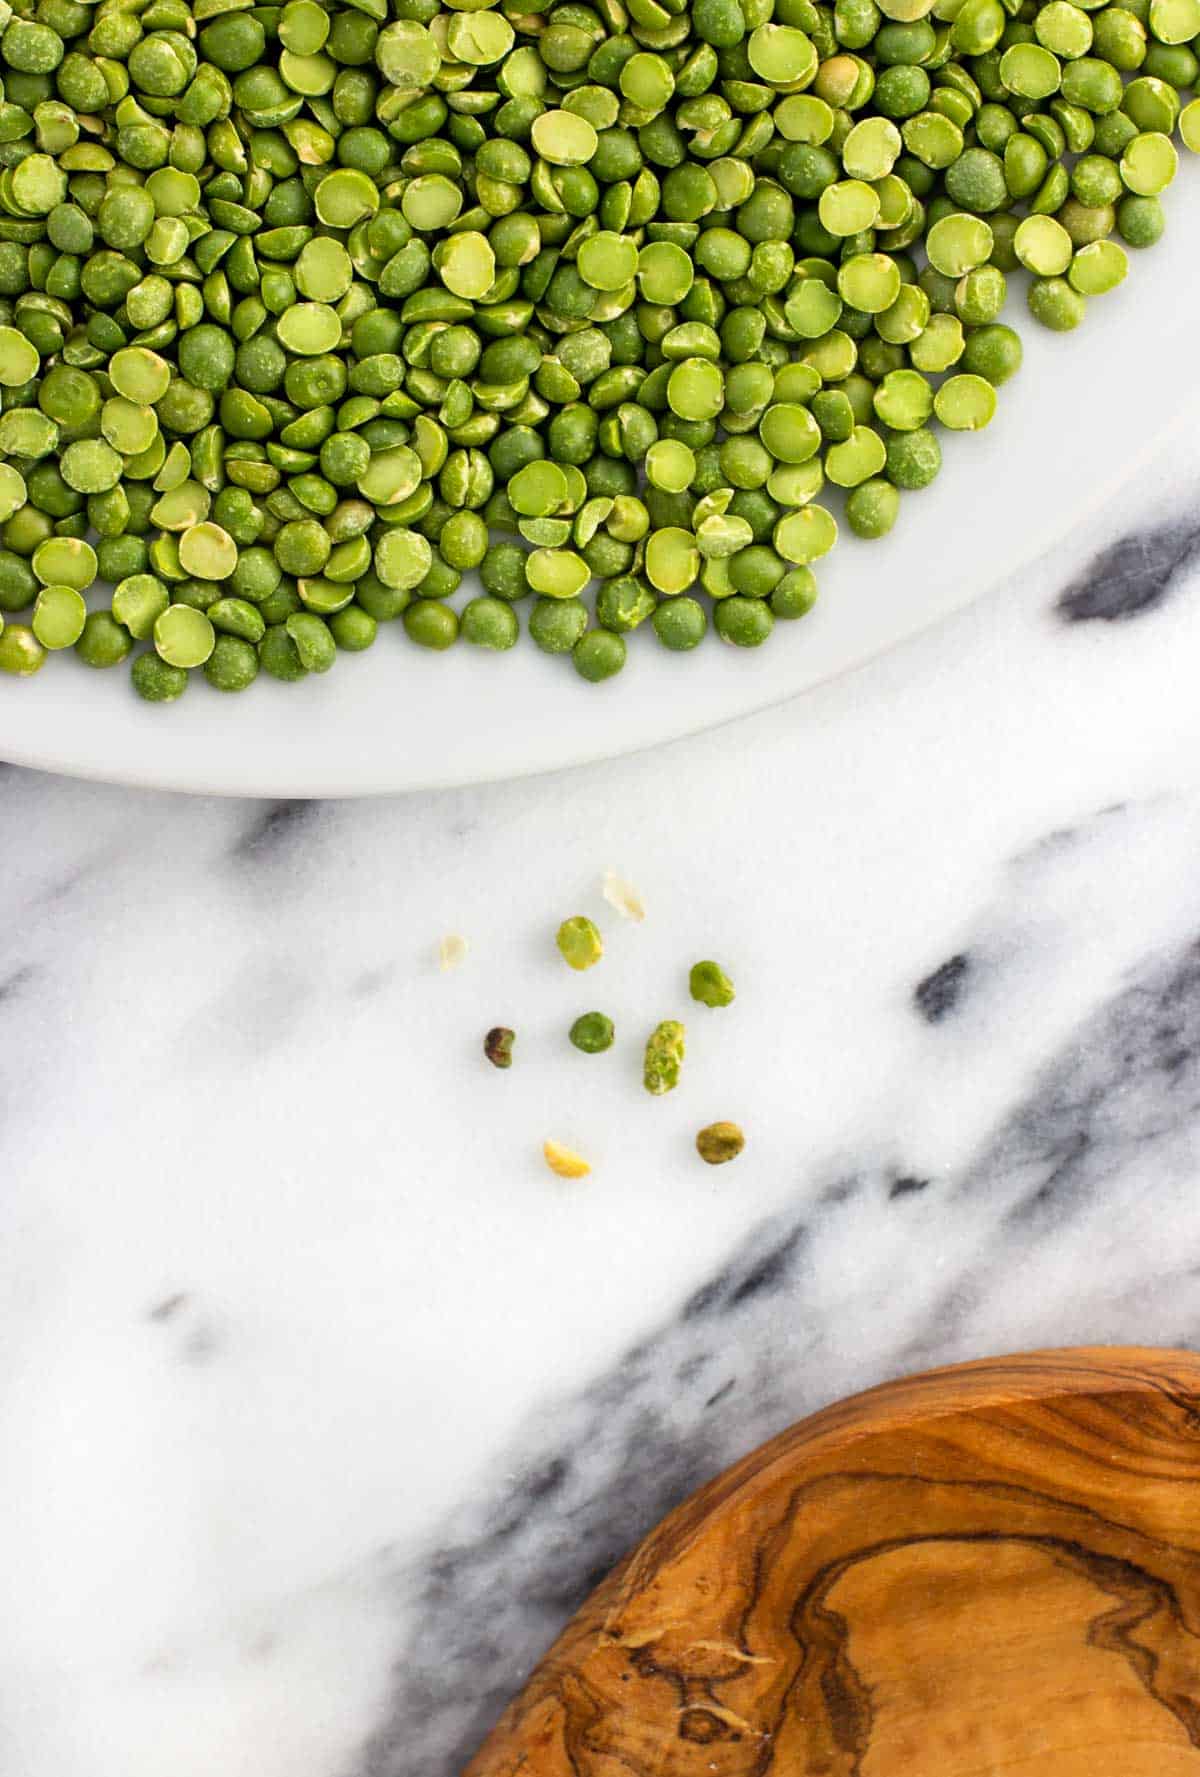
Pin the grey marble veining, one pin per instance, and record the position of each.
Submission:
(329, 1403)
(1129, 577)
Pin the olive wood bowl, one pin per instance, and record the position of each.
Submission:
(983, 1570)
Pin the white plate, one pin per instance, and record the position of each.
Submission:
(1085, 409)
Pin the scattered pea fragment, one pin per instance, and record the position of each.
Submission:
(498, 1046)
(710, 985)
(719, 1142)
(664, 1057)
(451, 952)
(579, 942)
(592, 1032)
(620, 893)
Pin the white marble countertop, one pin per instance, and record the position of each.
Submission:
(323, 1401)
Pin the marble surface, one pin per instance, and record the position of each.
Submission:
(323, 1402)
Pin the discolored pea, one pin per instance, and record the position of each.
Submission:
(498, 1046)
(718, 1143)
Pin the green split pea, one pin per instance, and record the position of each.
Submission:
(593, 1033)
(710, 985)
(309, 314)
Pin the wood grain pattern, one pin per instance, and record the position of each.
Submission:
(993, 1568)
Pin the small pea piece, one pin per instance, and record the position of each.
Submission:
(592, 1032)
(564, 1162)
(710, 985)
(579, 942)
(498, 1045)
(664, 1057)
(718, 1142)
